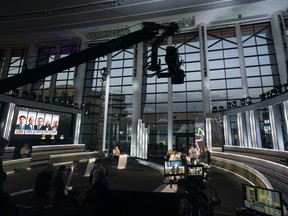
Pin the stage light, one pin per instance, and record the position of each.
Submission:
(269, 94)
(243, 101)
(33, 96)
(25, 94)
(248, 100)
(229, 105)
(214, 109)
(221, 108)
(15, 92)
(262, 96)
(285, 87)
(234, 104)
(277, 90)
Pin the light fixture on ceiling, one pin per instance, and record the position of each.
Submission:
(116, 3)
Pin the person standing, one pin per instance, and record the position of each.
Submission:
(192, 153)
(116, 154)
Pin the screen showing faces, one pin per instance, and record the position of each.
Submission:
(262, 200)
(174, 168)
(36, 123)
(195, 172)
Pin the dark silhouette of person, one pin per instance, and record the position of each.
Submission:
(8, 207)
(57, 193)
(43, 181)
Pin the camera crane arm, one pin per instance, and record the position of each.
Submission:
(27, 76)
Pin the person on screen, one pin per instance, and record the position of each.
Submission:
(22, 122)
(30, 125)
(54, 126)
(47, 126)
(175, 169)
(39, 125)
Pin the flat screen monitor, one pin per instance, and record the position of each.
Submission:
(36, 124)
(174, 168)
(262, 201)
(31, 122)
(195, 172)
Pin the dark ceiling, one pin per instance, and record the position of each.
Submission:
(26, 21)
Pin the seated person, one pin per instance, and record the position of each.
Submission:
(43, 181)
(57, 193)
(25, 151)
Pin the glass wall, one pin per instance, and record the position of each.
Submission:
(226, 85)
(260, 59)
(225, 76)
(120, 101)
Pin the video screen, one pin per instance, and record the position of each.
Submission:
(195, 172)
(36, 123)
(262, 200)
(174, 168)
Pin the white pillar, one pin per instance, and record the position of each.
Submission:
(205, 76)
(106, 103)
(276, 129)
(137, 96)
(170, 107)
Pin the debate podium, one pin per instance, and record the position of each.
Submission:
(122, 161)
(90, 165)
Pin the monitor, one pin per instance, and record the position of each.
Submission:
(262, 201)
(174, 168)
(195, 172)
(30, 124)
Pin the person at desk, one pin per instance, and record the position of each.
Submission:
(25, 151)
(22, 122)
(116, 154)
